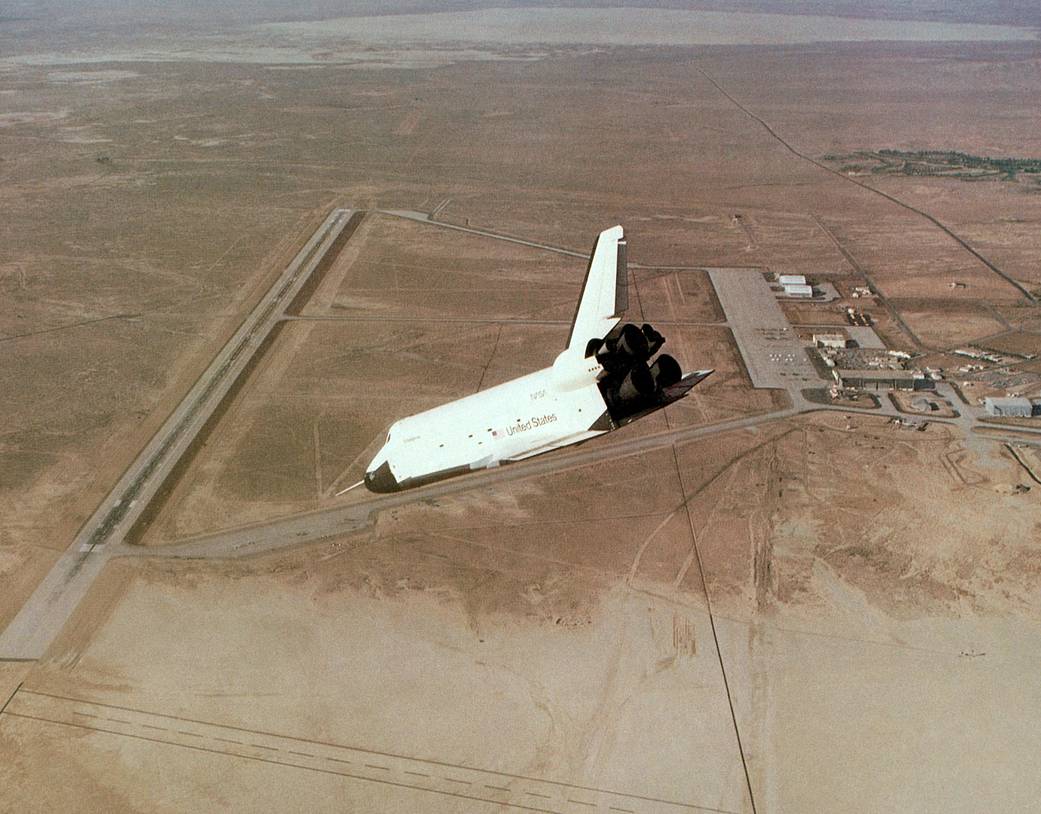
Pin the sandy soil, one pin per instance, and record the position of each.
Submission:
(451, 643)
(949, 325)
(403, 269)
(103, 336)
(874, 591)
(557, 628)
(864, 608)
(1027, 344)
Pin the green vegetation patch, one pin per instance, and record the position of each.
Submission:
(943, 163)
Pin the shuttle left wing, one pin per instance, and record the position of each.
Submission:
(674, 392)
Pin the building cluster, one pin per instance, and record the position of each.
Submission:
(883, 379)
(858, 361)
(991, 356)
(835, 341)
(992, 370)
(856, 317)
(1010, 381)
(851, 357)
(854, 368)
(795, 285)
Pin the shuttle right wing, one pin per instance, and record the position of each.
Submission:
(604, 293)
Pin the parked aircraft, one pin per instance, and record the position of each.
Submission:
(603, 380)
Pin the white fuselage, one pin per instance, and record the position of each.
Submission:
(604, 378)
(514, 420)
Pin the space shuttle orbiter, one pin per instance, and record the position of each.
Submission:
(602, 380)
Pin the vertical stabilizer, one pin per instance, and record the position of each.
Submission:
(621, 286)
(604, 292)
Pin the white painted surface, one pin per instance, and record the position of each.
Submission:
(596, 310)
(545, 410)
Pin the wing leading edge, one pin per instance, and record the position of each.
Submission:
(605, 292)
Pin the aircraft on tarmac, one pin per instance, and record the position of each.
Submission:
(602, 380)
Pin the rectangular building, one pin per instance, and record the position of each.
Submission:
(830, 341)
(884, 379)
(865, 337)
(791, 279)
(792, 290)
(1014, 407)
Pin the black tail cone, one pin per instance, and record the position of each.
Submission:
(381, 479)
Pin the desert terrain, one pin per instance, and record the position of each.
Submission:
(739, 604)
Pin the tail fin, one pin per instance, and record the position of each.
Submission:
(605, 292)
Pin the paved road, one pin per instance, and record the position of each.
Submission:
(423, 217)
(42, 617)
(477, 320)
(360, 509)
(355, 514)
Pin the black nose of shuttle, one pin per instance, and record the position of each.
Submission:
(381, 479)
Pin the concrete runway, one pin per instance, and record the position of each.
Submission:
(31, 632)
